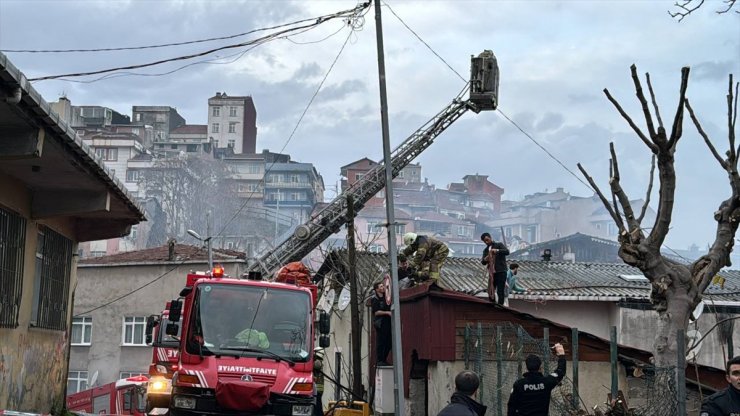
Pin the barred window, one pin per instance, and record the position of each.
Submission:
(76, 381)
(51, 283)
(133, 330)
(81, 330)
(12, 243)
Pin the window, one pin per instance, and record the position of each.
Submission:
(400, 229)
(138, 117)
(373, 227)
(133, 330)
(134, 231)
(612, 229)
(81, 330)
(232, 112)
(76, 381)
(375, 248)
(51, 282)
(232, 127)
(400, 175)
(12, 243)
(232, 143)
(297, 196)
(127, 374)
(216, 111)
(192, 148)
(254, 168)
(295, 178)
(462, 230)
(173, 146)
(214, 128)
(359, 176)
(230, 245)
(132, 175)
(107, 154)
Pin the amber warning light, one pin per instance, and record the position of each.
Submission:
(218, 271)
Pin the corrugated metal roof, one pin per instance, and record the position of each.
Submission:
(564, 280)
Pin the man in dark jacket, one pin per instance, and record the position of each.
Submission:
(531, 393)
(382, 323)
(494, 257)
(725, 402)
(462, 402)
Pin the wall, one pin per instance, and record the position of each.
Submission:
(597, 321)
(637, 329)
(99, 285)
(33, 361)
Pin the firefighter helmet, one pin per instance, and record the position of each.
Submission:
(409, 238)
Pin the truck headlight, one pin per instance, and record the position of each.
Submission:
(302, 410)
(159, 385)
(184, 402)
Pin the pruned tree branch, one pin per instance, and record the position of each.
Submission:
(655, 103)
(677, 128)
(612, 169)
(643, 103)
(617, 190)
(604, 201)
(649, 191)
(632, 124)
(685, 10)
(703, 134)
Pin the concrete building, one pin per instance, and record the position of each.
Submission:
(111, 339)
(87, 116)
(189, 138)
(54, 193)
(163, 119)
(232, 122)
(293, 189)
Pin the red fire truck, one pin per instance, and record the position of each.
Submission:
(246, 345)
(165, 356)
(122, 397)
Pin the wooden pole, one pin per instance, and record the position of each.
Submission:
(354, 307)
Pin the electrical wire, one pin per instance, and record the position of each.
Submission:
(162, 45)
(140, 287)
(292, 134)
(343, 14)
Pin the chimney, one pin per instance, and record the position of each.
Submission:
(218, 95)
(171, 249)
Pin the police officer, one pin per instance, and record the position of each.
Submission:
(531, 393)
(725, 402)
(429, 254)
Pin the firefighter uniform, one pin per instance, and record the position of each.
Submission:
(429, 254)
(318, 379)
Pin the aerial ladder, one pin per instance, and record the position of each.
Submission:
(483, 87)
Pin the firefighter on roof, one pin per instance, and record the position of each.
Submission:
(426, 254)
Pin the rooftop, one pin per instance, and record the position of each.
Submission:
(182, 252)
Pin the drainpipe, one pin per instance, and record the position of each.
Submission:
(15, 98)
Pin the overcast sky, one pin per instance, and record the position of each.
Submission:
(555, 59)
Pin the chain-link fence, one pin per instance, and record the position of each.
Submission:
(497, 352)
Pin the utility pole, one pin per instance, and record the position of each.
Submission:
(354, 307)
(400, 408)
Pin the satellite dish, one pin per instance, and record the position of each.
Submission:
(93, 379)
(697, 311)
(344, 298)
(328, 299)
(692, 342)
(387, 284)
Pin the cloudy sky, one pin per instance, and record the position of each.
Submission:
(555, 59)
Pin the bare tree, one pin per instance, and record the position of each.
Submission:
(686, 7)
(676, 288)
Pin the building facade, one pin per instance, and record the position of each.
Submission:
(232, 122)
(163, 119)
(54, 194)
(293, 189)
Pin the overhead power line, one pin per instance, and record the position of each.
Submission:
(342, 14)
(162, 45)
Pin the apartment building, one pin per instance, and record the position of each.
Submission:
(232, 122)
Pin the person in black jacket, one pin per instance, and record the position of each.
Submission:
(531, 393)
(462, 402)
(725, 402)
(494, 257)
(382, 323)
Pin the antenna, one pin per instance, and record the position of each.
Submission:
(692, 341)
(697, 312)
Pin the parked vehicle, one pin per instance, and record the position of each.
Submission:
(122, 397)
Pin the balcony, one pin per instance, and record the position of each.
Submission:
(292, 185)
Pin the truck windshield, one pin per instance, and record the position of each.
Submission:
(245, 320)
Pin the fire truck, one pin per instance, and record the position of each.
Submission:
(122, 397)
(246, 345)
(165, 356)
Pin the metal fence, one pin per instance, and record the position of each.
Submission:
(496, 351)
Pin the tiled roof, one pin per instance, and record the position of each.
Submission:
(191, 129)
(546, 280)
(183, 252)
(437, 217)
(413, 198)
(379, 212)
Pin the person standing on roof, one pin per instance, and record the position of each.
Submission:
(494, 258)
(429, 254)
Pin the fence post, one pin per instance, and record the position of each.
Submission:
(479, 362)
(613, 360)
(499, 371)
(519, 348)
(546, 350)
(467, 346)
(338, 366)
(574, 343)
(681, 371)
